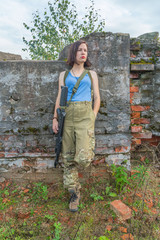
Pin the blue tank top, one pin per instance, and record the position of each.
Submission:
(84, 90)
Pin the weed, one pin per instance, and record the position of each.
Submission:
(32, 212)
(39, 193)
(81, 206)
(121, 177)
(58, 230)
(85, 229)
(147, 161)
(138, 204)
(103, 238)
(110, 194)
(139, 175)
(14, 191)
(6, 192)
(96, 196)
(49, 217)
(6, 232)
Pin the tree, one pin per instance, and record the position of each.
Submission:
(59, 28)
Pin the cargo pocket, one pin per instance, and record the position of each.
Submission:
(91, 141)
(94, 117)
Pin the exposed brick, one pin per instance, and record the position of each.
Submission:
(132, 55)
(110, 219)
(11, 154)
(122, 210)
(149, 203)
(1, 217)
(134, 89)
(139, 195)
(101, 149)
(140, 121)
(80, 175)
(26, 190)
(152, 141)
(108, 227)
(98, 161)
(157, 53)
(138, 108)
(100, 173)
(154, 144)
(128, 236)
(23, 215)
(123, 229)
(136, 129)
(4, 138)
(154, 211)
(2, 154)
(131, 94)
(41, 165)
(129, 200)
(143, 158)
(134, 75)
(28, 163)
(146, 134)
(121, 149)
(135, 115)
(134, 209)
(133, 172)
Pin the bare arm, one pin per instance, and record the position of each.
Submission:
(96, 94)
(55, 118)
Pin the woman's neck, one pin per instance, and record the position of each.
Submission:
(77, 70)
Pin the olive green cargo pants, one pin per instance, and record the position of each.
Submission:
(78, 141)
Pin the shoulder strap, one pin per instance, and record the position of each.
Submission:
(90, 76)
(65, 76)
(74, 90)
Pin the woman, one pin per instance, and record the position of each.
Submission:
(78, 135)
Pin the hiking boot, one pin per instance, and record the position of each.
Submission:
(74, 201)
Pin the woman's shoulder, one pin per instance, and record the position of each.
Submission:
(93, 73)
(62, 74)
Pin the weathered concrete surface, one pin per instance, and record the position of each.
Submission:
(109, 54)
(28, 91)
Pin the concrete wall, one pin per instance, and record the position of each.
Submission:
(28, 90)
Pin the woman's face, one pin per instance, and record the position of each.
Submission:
(82, 53)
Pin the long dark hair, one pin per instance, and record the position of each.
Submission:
(73, 51)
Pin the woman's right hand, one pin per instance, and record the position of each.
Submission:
(55, 126)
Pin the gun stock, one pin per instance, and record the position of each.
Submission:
(61, 117)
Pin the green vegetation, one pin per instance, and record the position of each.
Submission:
(59, 27)
(121, 177)
(37, 210)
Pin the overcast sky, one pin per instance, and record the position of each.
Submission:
(135, 17)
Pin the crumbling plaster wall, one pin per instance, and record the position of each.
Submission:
(28, 91)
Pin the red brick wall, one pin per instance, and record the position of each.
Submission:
(144, 89)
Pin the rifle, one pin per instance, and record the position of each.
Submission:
(61, 116)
